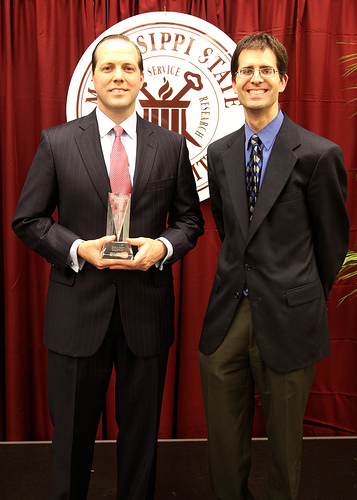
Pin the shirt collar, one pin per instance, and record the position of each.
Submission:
(268, 134)
(105, 124)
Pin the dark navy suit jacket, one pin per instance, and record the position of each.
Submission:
(290, 253)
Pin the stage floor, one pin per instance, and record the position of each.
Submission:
(329, 470)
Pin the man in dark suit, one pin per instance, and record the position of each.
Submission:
(285, 232)
(103, 311)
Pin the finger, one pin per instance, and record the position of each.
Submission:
(136, 241)
(128, 265)
(106, 239)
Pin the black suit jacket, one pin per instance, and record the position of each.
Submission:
(68, 172)
(291, 251)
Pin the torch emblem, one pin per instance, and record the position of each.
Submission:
(171, 113)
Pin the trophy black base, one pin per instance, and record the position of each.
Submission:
(117, 250)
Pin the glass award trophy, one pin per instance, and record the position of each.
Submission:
(118, 222)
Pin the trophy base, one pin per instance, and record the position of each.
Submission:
(117, 250)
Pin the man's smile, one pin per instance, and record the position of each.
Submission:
(117, 91)
(257, 91)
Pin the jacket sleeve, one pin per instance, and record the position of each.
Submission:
(327, 194)
(185, 223)
(215, 194)
(34, 222)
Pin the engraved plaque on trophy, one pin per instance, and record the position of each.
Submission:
(118, 222)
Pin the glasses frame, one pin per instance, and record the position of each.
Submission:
(245, 77)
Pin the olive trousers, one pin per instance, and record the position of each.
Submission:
(229, 377)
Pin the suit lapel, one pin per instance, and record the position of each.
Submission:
(145, 154)
(88, 143)
(232, 160)
(281, 163)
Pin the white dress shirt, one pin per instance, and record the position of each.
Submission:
(129, 140)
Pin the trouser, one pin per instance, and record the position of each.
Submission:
(77, 390)
(229, 377)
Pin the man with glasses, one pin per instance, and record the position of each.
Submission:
(278, 195)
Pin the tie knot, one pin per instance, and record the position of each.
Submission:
(254, 140)
(118, 130)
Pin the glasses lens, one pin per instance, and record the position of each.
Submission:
(267, 72)
(263, 72)
(245, 73)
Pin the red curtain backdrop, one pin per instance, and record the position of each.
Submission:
(41, 43)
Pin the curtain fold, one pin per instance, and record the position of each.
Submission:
(41, 44)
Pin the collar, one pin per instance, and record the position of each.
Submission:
(268, 134)
(105, 124)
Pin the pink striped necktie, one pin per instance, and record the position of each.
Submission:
(119, 166)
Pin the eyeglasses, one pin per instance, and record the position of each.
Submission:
(263, 72)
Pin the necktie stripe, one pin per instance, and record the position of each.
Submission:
(253, 170)
(119, 166)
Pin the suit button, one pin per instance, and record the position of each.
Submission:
(114, 283)
(248, 267)
(236, 295)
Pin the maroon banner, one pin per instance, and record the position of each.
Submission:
(41, 44)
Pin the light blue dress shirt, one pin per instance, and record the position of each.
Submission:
(267, 135)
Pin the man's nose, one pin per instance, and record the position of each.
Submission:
(256, 76)
(118, 74)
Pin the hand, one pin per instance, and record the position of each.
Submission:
(90, 251)
(149, 253)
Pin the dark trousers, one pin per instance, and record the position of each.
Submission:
(229, 377)
(77, 390)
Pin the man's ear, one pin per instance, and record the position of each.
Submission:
(283, 83)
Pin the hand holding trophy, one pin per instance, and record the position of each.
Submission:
(118, 223)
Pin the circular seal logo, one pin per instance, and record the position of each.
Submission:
(188, 86)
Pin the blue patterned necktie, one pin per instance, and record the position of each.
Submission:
(253, 171)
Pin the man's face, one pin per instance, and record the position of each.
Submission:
(259, 95)
(117, 78)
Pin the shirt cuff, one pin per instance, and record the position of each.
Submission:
(73, 261)
(169, 253)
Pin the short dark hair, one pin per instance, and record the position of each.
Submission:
(260, 41)
(117, 37)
